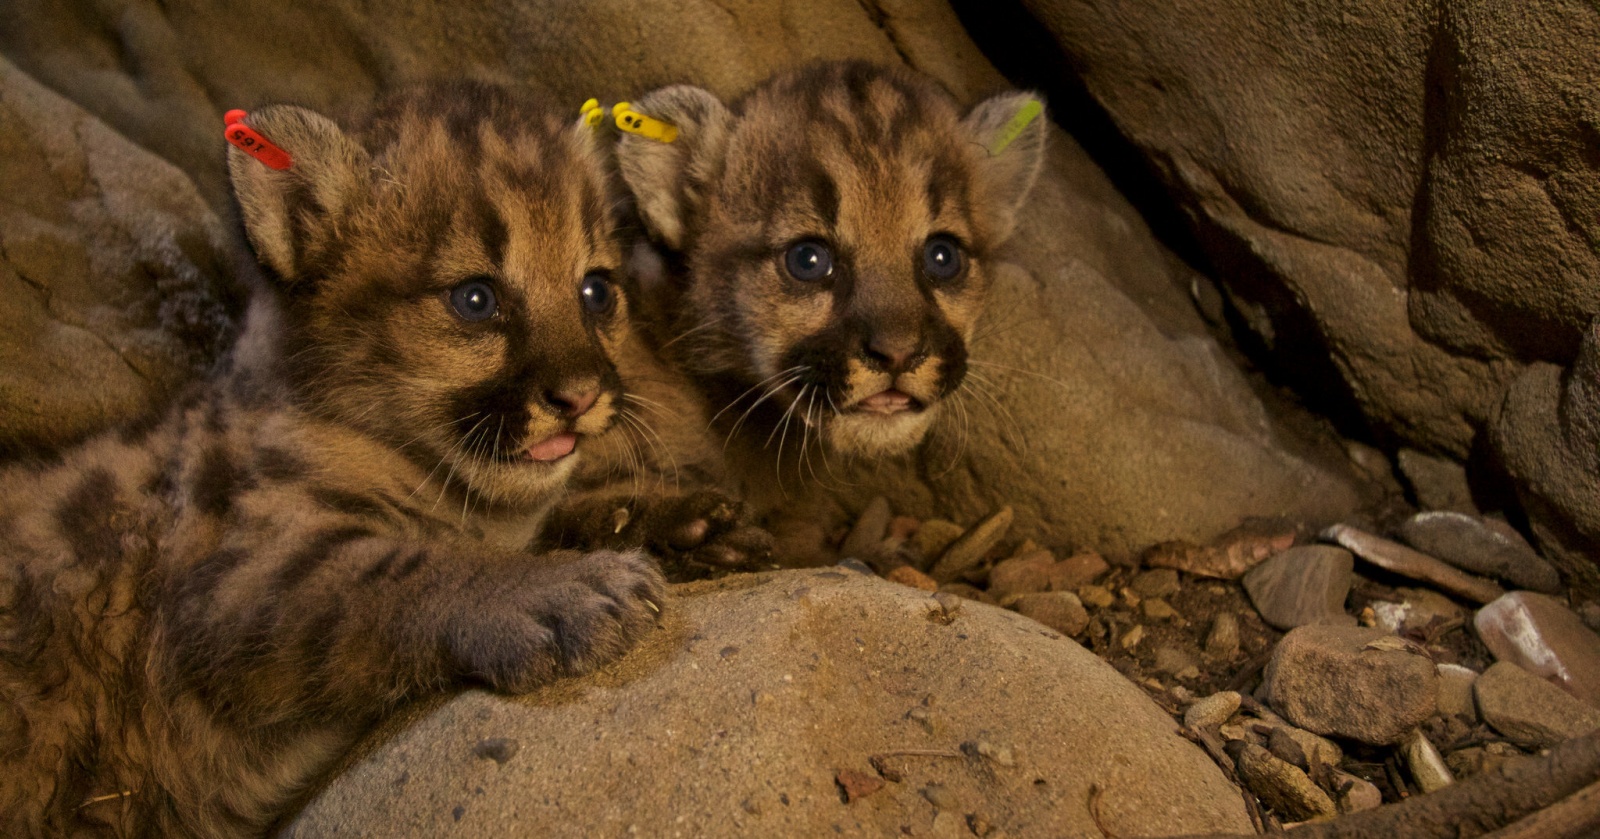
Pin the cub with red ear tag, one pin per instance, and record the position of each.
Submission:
(827, 239)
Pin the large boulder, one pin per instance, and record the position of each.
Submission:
(1109, 413)
(112, 280)
(758, 710)
(1407, 190)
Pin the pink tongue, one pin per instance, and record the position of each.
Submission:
(554, 448)
(887, 402)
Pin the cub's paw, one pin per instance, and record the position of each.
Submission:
(555, 615)
(706, 527)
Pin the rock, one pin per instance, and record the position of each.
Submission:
(1132, 637)
(765, 727)
(1302, 586)
(1538, 634)
(866, 536)
(1158, 610)
(934, 536)
(1529, 710)
(1215, 709)
(1439, 483)
(1282, 787)
(1590, 613)
(1287, 749)
(1021, 575)
(1420, 610)
(1455, 690)
(1428, 769)
(1222, 642)
(1332, 680)
(1162, 582)
(1096, 596)
(1173, 661)
(969, 549)
(1059, 610)
(1356, 794)
(1076, 571)
(1317, 750)
(907, 576)
(114, 292)
(1468, 543)
(857, 784)
(1474, 760)
(1393, 556)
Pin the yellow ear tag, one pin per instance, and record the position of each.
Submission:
(634, 122)
(1019, 123)
(592, 112)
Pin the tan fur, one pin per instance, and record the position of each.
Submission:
(199, 616)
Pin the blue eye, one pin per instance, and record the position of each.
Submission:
(941, 258)
(808, 261)
(598, 296)
(474, 300)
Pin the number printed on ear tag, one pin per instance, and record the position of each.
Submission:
(249, 141)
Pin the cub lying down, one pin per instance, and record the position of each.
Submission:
(828, 238)
(198, 616)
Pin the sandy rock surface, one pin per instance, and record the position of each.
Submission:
(761, 705)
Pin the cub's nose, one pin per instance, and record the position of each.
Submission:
(573, 402)
(893, 352)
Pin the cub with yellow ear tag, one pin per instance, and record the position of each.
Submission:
(828, 240)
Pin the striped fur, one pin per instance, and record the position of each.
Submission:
(876, 165)
(197, 617)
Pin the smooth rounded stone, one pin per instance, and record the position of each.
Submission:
(1427, 767)
(677, 735)
(1439, 483)
(1348, 681)
(1059, 610)
(1316, 749)
(1356, 794)
(1544, 637)
(907, 576)
(1132, 637)
(1075, 571)
(1097, 596)
(1160, 582)
(1158, 610)
(1282, 787)
(1222, 642)
(1468, 543)
(969, 549)
(1215, 709)
(934, 536)
(867, 534)
(1173, 662)
(1021, 575)
(1393, 556)
(1418, 610)
(1528, 710)
(1301, 586)
(1455, 690)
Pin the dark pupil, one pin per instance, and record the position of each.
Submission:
(473, 301)
(944, 261)
(809, 261)
(596, 294)
(941, 255)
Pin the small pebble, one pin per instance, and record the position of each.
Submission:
(969, 549)
(1288, 791)
(1428, 769)
(1023, 574)
(907, 576)
(1132, 638)
(1222, 642)
(1059, 610)
(1075, 571)
(1356, 794)
(1159, 610)
(1130, 597)
(934, 535)
(1302, 586)
(1161, 582)
(869, 529)
(940, 796)
(1171, 660)
(1096, 596)
(1215, 709)
(1455, 691)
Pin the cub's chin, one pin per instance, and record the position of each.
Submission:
(518, 482)
(865, 434)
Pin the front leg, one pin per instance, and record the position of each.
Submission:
(705, 528)
(339, 619)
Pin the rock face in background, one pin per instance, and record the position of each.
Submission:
(110, 272)
(1411, 190)
(1113, 420)
(752, 714)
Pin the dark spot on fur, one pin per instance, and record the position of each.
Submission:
(411, 564)
(87, 518)
(309, 557)
(382, 566)
(349, 503)
(215, 482)
(275, 464)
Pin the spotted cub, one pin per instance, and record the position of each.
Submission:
(829, 237)
(198, 616)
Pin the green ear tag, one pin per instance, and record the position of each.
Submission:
(1019, 123)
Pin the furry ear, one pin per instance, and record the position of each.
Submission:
(1013, 154)
(666, 178)
(287, 211)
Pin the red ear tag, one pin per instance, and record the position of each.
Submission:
(252, 143)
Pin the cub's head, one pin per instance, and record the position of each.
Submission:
(446, 278)
(837, 223)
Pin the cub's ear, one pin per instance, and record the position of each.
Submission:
(290, 213)
(667, 178)
(1010, 128)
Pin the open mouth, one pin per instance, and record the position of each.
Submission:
(888, 403)
(552, 448)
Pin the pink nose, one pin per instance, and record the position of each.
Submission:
(573, 403)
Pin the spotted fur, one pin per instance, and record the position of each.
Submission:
(875, 165)
(197, 617)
